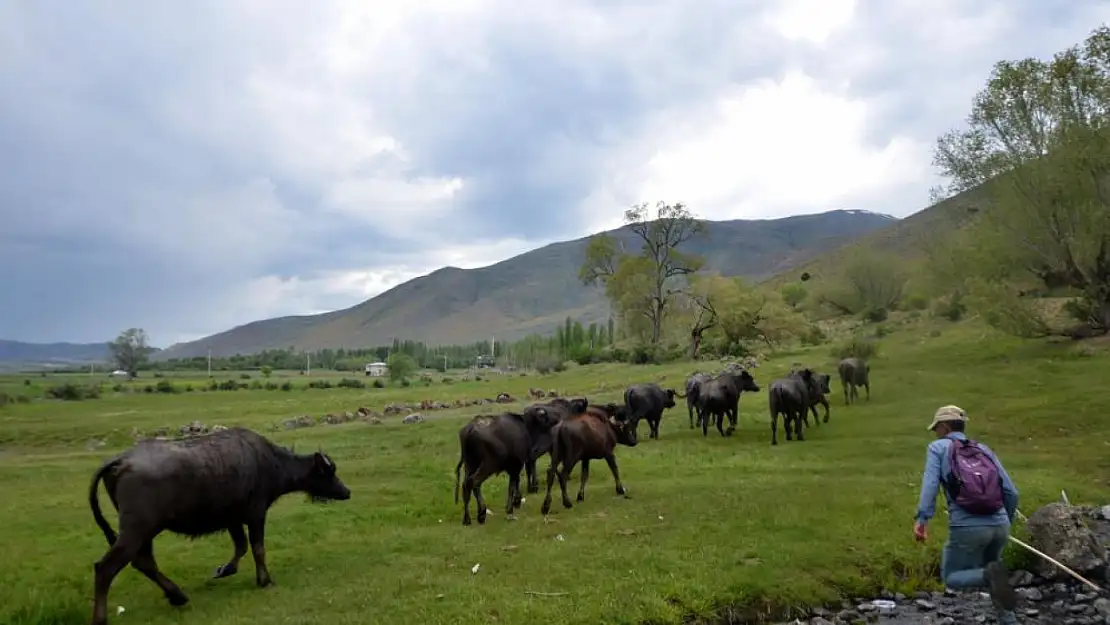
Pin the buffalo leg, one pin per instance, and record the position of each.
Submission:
(825, 403)
(256, 528)
(546, 507)
(145, 564)
(611, 460)
(704, 418)
(806, 412)
(239, 542)
(775, 428)
(799, 432)
(690, 409)
(119, 555)
(533, 479)
(867, 387)
(467, 489)
(582, 479)
(720, 419)
(844, 385)
(513, 495)
(564, 477)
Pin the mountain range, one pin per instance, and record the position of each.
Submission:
(533, 292)
(529, 293)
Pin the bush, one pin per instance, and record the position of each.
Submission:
(447, 381)
(244, 376)
(188, 388)
(228, 385)
(643, 355)
(350, 383)
(951, 308)
(271, 386)
(379, 383)
(119, 388)
(857, 347)
(165, 386)
(286, 386)
(147, 388)
(405, 382)
(813, 335)
(320, 384)
(876, 315)
(73, 392)
(6, 398)
(916, 302)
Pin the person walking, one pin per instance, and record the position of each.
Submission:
(982, 501)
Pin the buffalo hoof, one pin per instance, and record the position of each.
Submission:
(567, 504)
(826, 420)
(466, 520)
(225, 570)
(774, 442)
(510, 517)
(580, 497)
(545, 508)
(177, 599)
(533, 489)
(264, 582)
(482, 519)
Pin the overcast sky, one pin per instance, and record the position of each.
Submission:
(190, 166)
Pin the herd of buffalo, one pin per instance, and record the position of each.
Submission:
(228, 480)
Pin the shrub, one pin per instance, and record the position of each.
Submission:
(813, 335)
(644, 355)
(266, 371)
(857, 347)
(876, 314)
(447, 381)
(350, 383)
(951, 308)
(188, 388)
(320, 384)
(379, 383)
(228, 385)
(286, 386)
(165, 386)
(73, 392)
(271, 386)
(405, 382)
(244, 376)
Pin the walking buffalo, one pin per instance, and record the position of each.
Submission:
(591, 435)
(693, 383)
(854, 372)
(820, 398)
(720, 397)
(791, 397)
(203, 485)
(648, 401)
(558, 409)
(492, 444)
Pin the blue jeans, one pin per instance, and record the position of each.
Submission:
(968, 550)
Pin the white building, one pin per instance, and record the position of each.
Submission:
(377, 369)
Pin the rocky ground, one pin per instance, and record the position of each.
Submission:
(1045, 604)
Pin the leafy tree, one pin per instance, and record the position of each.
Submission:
(1037, 147)
(401, 366)
(639, 285)
(266, 371)
(130, 350)
(871, 284)
(737, 314)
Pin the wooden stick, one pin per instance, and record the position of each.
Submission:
(1057, 563)
(545, 594)
(1064, 497)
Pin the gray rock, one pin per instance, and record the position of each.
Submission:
(413, 418)
(1059, 530)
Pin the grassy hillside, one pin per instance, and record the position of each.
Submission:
(529, 293)
(710, 522)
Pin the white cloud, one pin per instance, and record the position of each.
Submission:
(811, 20)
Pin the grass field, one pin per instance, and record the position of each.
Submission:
(710, 522)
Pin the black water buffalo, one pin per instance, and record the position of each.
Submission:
(197, 486)
(720, 397)
(559, 409)
(591, 435)
(491, 444)
(854, 372)
(820, 398)
(791, 397)
(693, 384)
(648, 401)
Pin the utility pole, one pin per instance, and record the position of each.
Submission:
(307, 364)
(209, 362)
(445, 363)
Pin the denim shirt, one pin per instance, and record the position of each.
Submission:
(936, 465)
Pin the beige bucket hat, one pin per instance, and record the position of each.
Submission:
(947, 413)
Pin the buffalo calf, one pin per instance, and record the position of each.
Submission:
(591, 435)
(720, 397)
(557, 409)
(197, 486)
(693, 385)
(489, 445)
(854, 372)
(648, 401)
(791, 397)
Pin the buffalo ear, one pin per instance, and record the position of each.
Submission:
(322, 462)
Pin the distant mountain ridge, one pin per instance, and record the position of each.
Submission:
(532, 292)
(18, 352)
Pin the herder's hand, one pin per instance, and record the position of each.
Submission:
(920, 532)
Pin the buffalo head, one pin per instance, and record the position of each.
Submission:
(322, 484)
(668, 401)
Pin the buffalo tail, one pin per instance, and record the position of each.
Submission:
(94, 501)
(458, 468)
